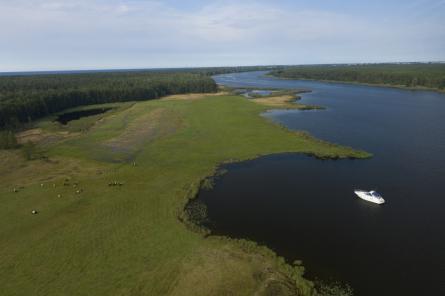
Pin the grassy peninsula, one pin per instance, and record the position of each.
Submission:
(413, 76)
(110, 191)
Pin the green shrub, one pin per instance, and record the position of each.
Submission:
(333, 289)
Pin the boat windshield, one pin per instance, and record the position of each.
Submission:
(375, 194)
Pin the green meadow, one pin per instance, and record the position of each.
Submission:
(110, 192)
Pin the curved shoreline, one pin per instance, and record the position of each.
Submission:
(418, 88)
(294, 270)
(199, 136)
(196, 188)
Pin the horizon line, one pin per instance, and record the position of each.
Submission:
(78, 71)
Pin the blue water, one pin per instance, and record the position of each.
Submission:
(305, 208)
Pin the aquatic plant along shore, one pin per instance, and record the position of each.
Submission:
(313, 201)
(120, 180)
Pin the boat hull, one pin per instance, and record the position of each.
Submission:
(365, 196)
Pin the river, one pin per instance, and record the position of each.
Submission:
(305, 208)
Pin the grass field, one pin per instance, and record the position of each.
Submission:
(90, 238)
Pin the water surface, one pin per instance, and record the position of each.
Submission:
(64, 118)
(305, 208)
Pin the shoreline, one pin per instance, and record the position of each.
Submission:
(288, 266)
(417, 88)
(157, 186)
(207, 182)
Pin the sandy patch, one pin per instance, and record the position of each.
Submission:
(280, 101)
(38, 136)
(284, 101)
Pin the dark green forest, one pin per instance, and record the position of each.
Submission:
(26, 98)
(407, 75)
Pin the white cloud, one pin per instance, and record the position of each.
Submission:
(117, 33)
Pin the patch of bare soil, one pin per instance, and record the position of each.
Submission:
(38, 136)
(283, 101)
(147, 127)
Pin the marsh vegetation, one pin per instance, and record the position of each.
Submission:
(136, 228)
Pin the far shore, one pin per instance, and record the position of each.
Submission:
(364, 83)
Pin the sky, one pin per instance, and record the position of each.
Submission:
(122, 34)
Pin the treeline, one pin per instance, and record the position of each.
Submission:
(431, 75)
(197, 70)
(225, 70)
(26, 98)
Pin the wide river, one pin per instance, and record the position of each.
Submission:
(305, 208)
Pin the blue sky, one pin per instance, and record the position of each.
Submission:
(106, 34)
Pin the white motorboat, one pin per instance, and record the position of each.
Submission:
(370, 196)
